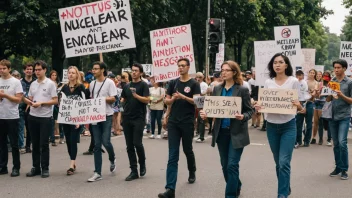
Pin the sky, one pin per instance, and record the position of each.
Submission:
(335, 21)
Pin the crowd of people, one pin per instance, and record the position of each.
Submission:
(135, 102)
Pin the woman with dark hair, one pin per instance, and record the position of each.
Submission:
(231, 134)
(281, 128)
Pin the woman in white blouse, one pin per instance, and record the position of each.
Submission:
(281, 129)
(157, 93)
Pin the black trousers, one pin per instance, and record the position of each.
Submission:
(9, 128)
(40, 129)
(133, 130)
(72, 138)
(92, 142)
(28, 137)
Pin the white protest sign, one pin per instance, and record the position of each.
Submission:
(126, 70)
(309, 60)
(289, 41)
(168, 46)
(97, 27)
(119, 91)
(326, 91)
(222, 106)
(319, 68)
(346, 54)
(147, 68)
(220, 57)
(82, 111)
(199, 101)
(64, 75)
(277, 101)
(263, 51)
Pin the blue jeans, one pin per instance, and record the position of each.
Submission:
(339, 132)
(176, 132)
(230, 159)
(308, 116)
(156, 116)
(21, 130)
(282, 139)
(102, 136)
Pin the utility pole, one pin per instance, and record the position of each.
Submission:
(207, 43)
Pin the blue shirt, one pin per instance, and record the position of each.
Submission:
(225, 122)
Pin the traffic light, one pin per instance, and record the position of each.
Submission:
(216, 34)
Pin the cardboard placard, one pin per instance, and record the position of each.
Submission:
(82, 111)
(309, 60)
(168, 45)
(65, 75)
(97, 27)
(199, 101)
(277, 101)
(222, 106)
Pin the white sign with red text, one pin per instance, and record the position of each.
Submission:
(168, 45)
(97, 27)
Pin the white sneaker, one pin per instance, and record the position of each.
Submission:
(95, 177)
(152, 137)
(328, 143)
(199, 140)
(158, 136)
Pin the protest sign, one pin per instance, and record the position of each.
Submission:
(308, 61)
(288, 39)
(263, 51)
(220, 57)
(319, 68)
(326, 91)
(97, 27)
(147, 68)
(346, 54)
(64, 75)
(119, 91)
(81, 111)
(126, 70)
(334, 86)
(277, 101)
(168, 46)
(222, 106)
(199, 101)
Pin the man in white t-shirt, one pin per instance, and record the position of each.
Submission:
(102, 87)
(11, 94)
(250, 80)
(200, 121)
(41, 97)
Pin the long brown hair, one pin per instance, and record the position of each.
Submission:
(237, 77)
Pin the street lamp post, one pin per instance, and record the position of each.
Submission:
(207, 43)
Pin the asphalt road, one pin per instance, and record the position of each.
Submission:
(310, 173)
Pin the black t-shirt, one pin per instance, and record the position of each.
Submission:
(133, 108)
(77, 94)
(181, 110)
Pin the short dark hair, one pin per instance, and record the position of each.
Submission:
(6, 63)
(299, 72)
(342, 62)
(140, 67)
(41, 63)
(102, 65)
(288, 70)
(28, 65)
(184, 59)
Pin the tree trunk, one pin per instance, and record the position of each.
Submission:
(57, 50)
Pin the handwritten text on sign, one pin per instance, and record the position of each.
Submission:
(64, 75)
(199, 101)
(277, 101)
(82, 111)
(263, 51)
(168, 45)
(326, 91)
(288, 38)
(222, 106)
(346, 54)
(101, 26)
